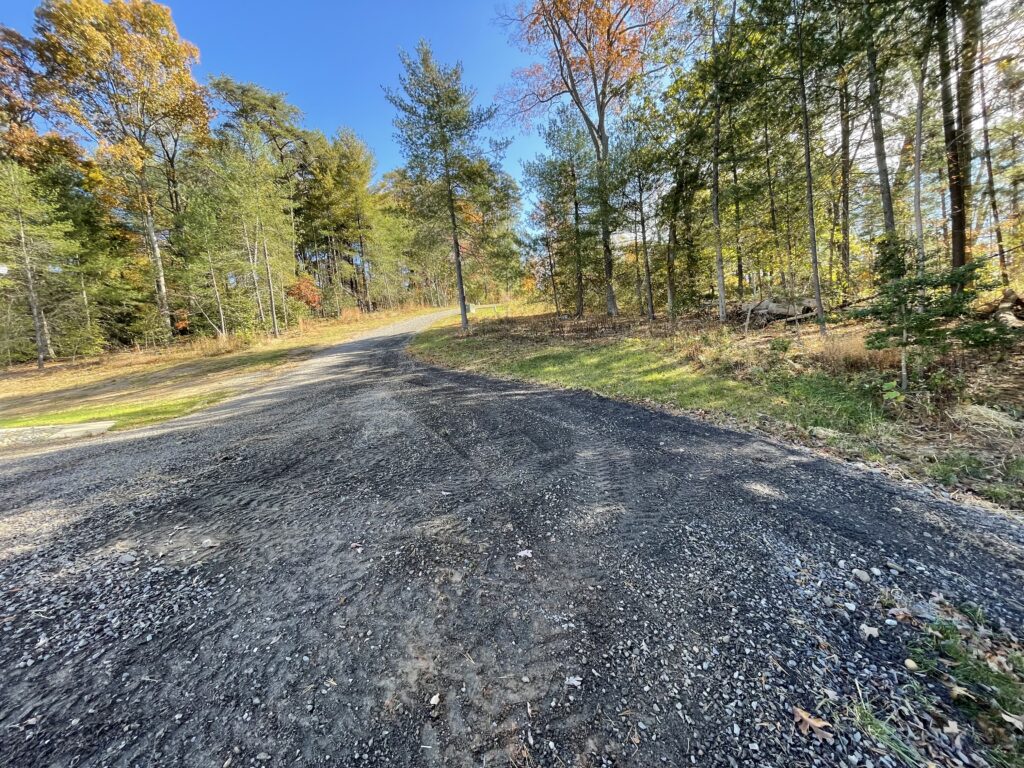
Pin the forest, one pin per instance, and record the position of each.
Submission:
(139, 207)
(759, 159)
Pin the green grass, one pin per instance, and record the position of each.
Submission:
(648, 370)
(984, 671)
(127, 415)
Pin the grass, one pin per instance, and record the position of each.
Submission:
(651, 370)
(801, 386)
(885, 735)
(983, 669)
(127, 415)
(139, 388)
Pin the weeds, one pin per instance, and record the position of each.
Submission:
(982, 667)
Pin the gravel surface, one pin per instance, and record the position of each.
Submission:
(376, 562)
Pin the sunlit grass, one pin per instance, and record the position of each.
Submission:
(646, 370)
(126, 415)
(146, 387)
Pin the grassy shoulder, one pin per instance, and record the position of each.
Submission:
(792, 383)
(139, 388)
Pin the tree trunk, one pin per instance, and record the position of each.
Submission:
(270, 280)
(716, 219)
(956, 124)
(457, 251)
(815, 277)
(736, 218)
(252, 251)
(646, 253)
(918, 159)
(33, 297)
(158, 263)
(223, 330)
(670, 264)
(554, 283)
(577, 243)
(47, 339)
(1003, 274)
(877, 133)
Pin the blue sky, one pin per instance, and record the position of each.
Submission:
(332, 58)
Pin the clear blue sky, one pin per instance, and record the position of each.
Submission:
(332, 58)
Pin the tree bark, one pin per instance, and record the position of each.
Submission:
(223, 330)
(877, 132)
(812, 233)
(33, 297)
(918, 160)
(577, 244)
(716, 219)
(270, 281)
(993, 202)
(162, 304)
(457, 251)
(646, 252)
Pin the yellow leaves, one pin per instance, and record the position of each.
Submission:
(807, 723)
(959, 692)
(119, 69)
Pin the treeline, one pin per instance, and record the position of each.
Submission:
(710, 153)
(138, 205)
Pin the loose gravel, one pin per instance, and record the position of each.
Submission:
(376, 562)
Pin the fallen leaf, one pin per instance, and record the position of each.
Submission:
(1015, 720)
(525, 553)
(959, 692)
(951, 728)
(806, 722)
(868, 632)
(573, 681)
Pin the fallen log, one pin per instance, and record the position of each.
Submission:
(1008, 309)
(779, 308)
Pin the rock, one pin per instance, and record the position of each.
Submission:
(263, 757)
(911, 665)
(862, 576)
(435, 699)
(127, 558)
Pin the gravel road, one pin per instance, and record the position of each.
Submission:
(375, 562)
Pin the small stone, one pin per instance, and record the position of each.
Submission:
(435, 699)
(862, 576)
(263, 757)
(910, 664)
(850, 606)
(126, 559)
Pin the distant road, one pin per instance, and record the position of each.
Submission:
(375, 562)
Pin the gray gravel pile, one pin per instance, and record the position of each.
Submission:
(373, 562)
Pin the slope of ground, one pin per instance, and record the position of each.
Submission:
(145, 387)
(963, 433)
(376, 562)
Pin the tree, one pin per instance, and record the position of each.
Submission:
(440, 132)
(595, 53)
(35, 237)
(121, 73)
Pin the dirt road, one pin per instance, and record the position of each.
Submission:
(374, 562)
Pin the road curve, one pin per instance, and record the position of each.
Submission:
(371, 561)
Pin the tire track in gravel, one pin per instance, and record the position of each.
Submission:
(332, 570)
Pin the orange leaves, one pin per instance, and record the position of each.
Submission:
(807, 723)
(306, 291)
(594, 50)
